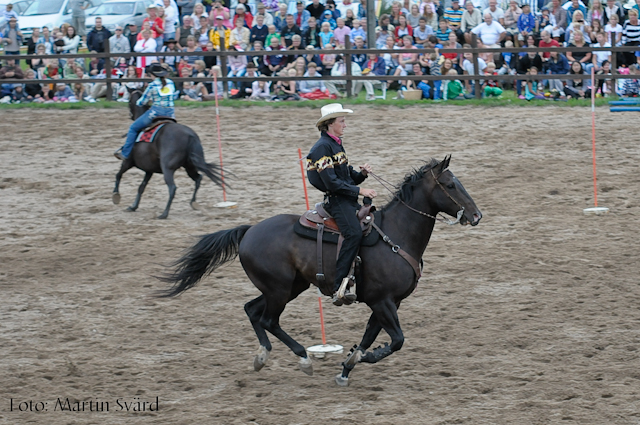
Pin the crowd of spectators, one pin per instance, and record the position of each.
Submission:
(300, 27)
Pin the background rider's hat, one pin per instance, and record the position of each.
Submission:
(332, 110)
(157, 70)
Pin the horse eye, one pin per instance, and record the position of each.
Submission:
(451, 185)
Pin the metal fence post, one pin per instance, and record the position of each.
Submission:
(223, 67)
(614, 72)
(347, 64)
(107, 69)
(476, 66)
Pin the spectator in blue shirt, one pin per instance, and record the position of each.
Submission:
(301, 16)
(526, 23)
(328, 17)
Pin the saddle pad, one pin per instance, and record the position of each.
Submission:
(369, 240)
(148, 135)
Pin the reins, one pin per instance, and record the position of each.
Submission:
(387, 185)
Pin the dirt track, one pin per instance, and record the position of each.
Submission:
(530, 318)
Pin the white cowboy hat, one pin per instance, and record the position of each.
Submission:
(332, 110)
(629, 4)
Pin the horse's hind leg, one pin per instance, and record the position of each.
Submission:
(270, 321)
(126, 165)
(192, 171)
(254, 310)
(168, 178)
(141, 188)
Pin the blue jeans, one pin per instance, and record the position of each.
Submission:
(141, 123)
(437, 93)
(236, 74)
(426, 90)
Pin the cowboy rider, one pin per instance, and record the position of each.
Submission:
(161, 92)
(329, 171)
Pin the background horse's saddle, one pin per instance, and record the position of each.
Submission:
(319, 216)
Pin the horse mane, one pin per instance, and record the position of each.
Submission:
(405, 189)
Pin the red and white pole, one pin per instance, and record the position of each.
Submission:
(306, 198)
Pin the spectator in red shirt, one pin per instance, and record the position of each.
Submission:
(241, 10)
(547, 41)
(157, 24)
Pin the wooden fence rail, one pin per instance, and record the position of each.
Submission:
(347, 53)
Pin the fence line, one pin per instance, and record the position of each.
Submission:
(347, 53)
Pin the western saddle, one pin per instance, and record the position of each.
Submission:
(319, 219)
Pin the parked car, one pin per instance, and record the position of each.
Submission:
(118, 12)
(19, 6)
(50, 13)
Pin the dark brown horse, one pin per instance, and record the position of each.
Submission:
(175, 146)
(281, 264)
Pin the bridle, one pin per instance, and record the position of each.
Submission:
(387, 185)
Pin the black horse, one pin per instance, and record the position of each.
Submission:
(281, 264)
(175, 145)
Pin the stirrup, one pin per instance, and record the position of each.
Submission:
(348, 297)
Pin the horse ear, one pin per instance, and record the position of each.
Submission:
(444, 164)
(130, 90)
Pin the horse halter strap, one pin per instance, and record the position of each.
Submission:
(443, 219)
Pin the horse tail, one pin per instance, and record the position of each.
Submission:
(196, 156)
(209, 253)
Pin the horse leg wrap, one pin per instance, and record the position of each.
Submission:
(377, 354)
(353, 358)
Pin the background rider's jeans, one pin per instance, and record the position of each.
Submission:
(141, 123)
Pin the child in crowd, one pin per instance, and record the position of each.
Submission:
(190, 92)
(531, 88)
(544, 20)
(490, 86)
(358, 30)
(326, 35)
(18, 95)
(604, 85)
(453, 89)
(237, 65)
(631, 87)
(260, 90)
(526, 23)
(328, 18)
(272, 34)
(613, 29)
(435, 65)
(578, 88)
(443, 30)
(79, 91)
(64, 94)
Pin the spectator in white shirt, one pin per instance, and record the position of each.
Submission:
(490, 32)
(496, 12)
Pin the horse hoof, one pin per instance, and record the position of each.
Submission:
(306, 366)
(342, 381)
(131, 209)
(163, 216)
(115, 198)
(195, 206)
(260, 359)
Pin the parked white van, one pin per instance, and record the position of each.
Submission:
(49, 13)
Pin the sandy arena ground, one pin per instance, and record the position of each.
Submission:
(533, 317)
